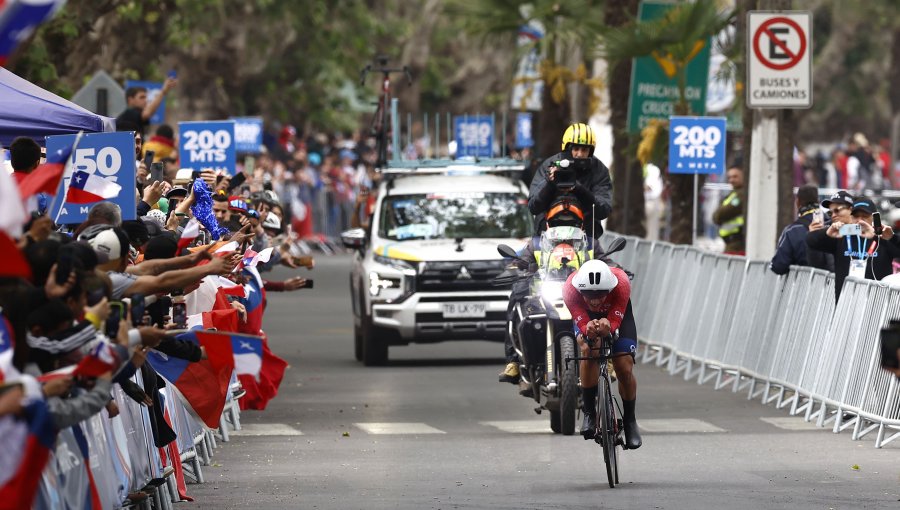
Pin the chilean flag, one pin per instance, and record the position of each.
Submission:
(99, 361)
(19, 19)
(45, 178)
(248, 354)
(191, 232)
(28, 441)
(6, 349)
(87, 188)
(203, 385)
(265, 387)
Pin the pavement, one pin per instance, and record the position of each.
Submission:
(435, 430)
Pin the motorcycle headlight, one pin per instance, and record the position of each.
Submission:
(551, 291)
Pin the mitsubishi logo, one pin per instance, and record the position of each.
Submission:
(463, 274)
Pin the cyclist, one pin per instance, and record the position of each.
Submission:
(592, 186)
(599, 298)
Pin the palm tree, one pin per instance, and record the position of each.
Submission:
(570, 28)
(675, 39)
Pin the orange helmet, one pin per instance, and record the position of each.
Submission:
(564, 213)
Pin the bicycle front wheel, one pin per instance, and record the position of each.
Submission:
(606, 416)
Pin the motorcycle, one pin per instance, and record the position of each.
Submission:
(541, 328)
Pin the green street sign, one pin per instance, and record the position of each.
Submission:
(654, 87)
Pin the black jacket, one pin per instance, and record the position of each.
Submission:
(877, 267)
(592, 188)
(792, 250)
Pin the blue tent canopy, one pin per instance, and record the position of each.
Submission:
(28, 110)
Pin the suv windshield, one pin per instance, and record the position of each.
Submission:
(452, 215)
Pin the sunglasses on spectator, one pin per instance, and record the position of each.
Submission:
(837, 209)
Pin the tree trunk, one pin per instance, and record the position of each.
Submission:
(552, 122)
(627, 215)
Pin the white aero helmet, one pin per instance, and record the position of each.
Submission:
(595, 276)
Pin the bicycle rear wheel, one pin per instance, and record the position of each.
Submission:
(606, 416)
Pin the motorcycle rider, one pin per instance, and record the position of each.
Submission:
(592, 185)
(598, 297)
(563, 212)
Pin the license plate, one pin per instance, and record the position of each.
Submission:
(464, 310)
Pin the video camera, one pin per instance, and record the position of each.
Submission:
(567, 169)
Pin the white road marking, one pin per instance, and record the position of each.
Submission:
(791, 423)
(677, 425)
(266, 429)
(520, 426)
(398, 428)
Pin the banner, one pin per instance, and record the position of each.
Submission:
(107, 155)
(474, 135)
(207, 146)
(696, 145)
(248, 134)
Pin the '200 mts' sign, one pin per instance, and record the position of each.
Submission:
(207, 146)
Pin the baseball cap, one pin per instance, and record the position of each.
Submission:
(109, 244)
(865, 205)
(238, 204)
(272, 222)
(839, 197)
(177, 192)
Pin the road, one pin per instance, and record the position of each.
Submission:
(435, 429)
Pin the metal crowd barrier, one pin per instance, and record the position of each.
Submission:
(123, 459)
(727, 319)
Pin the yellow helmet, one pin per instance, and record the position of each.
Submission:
(579, 134)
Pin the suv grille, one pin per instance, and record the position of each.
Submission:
(459, 275)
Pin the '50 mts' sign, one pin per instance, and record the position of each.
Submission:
(207, 146)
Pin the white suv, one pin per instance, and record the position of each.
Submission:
(422, 273)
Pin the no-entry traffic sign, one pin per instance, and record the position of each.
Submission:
(779, 67)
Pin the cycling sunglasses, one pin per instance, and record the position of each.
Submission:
(595, 294)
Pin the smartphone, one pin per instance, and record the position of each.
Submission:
(116, 312)
(851, 229)
(876, 223)
(148, 158)
(137, 310)
(179, 313)
(309, 284)
(819, 216)
(157, 172)
(890, 345)
(173, 73)
(236, 181)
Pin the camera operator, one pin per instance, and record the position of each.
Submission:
(573, 171)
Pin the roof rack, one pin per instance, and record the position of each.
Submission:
(442, 158)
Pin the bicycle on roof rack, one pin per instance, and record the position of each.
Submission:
(381, 123)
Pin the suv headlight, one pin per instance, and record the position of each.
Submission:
(392, 283)
(405, 267)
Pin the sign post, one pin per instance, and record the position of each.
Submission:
(779, 75)
(697, 146)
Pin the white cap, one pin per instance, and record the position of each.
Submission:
(272, 222)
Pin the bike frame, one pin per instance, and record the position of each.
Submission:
(381, 122)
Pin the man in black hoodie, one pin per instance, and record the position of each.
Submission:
(791, 249)
(872, 254)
